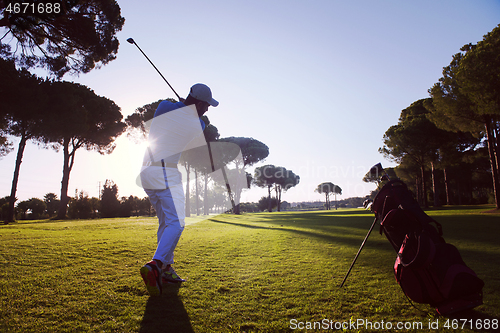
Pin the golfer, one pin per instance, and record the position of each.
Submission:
(175, 127)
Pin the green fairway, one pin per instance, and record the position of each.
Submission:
(265, 272)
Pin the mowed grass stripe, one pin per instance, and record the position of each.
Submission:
(253, 272)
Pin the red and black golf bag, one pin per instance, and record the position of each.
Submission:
(428, 269)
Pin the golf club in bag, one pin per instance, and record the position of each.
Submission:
(428, 269)
(210, 150)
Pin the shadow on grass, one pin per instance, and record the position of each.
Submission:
(166, 313)
(325, 234)
(318, 220)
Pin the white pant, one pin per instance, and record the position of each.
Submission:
(169, 204)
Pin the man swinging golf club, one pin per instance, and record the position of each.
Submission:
(175, 127)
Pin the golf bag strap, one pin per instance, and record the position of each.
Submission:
(384, 217)
(390, 214)
(425, 251)
(387, 217)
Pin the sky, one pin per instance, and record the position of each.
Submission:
(319, 82)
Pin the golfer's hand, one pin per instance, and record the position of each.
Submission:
(182, 99)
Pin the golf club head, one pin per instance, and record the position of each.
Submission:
(367, 204)
(377, 170)
(131, 41)
(376, 174)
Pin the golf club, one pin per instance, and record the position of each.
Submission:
(378, 171)
(359, 251)
(131, 41)
(223, 175)
(374, 170)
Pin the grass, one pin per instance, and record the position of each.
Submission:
(265, 272)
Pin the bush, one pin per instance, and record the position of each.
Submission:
(83, 207)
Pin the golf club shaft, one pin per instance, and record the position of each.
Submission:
(387, 175)
(133, 42)
(223, 169)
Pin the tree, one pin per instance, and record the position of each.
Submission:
(127, 206)
(4, 208)
(5, 144)
(467, 98)
(336, 190)
(79, 119)
(22, 208)
(252, 151)
(328, 189)
(249, 207)
(414, 139)
(264, 177)
(145, 208)
(133, 206)
(23, 116)
(63, 36)
(110, 205)
(35, 206)
(455, 149)
(197, 159)
(285, 180)
(59, 114)
(267, 203)
(52, 203)
(137, 122)
(218, 198)
(80, 207)
(282, 179)
(7, 93)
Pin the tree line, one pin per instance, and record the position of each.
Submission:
(80, 206)
(451, 140)
(263, 204)
(78, 38)
(59, 115)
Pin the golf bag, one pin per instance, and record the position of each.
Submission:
(428, 269)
